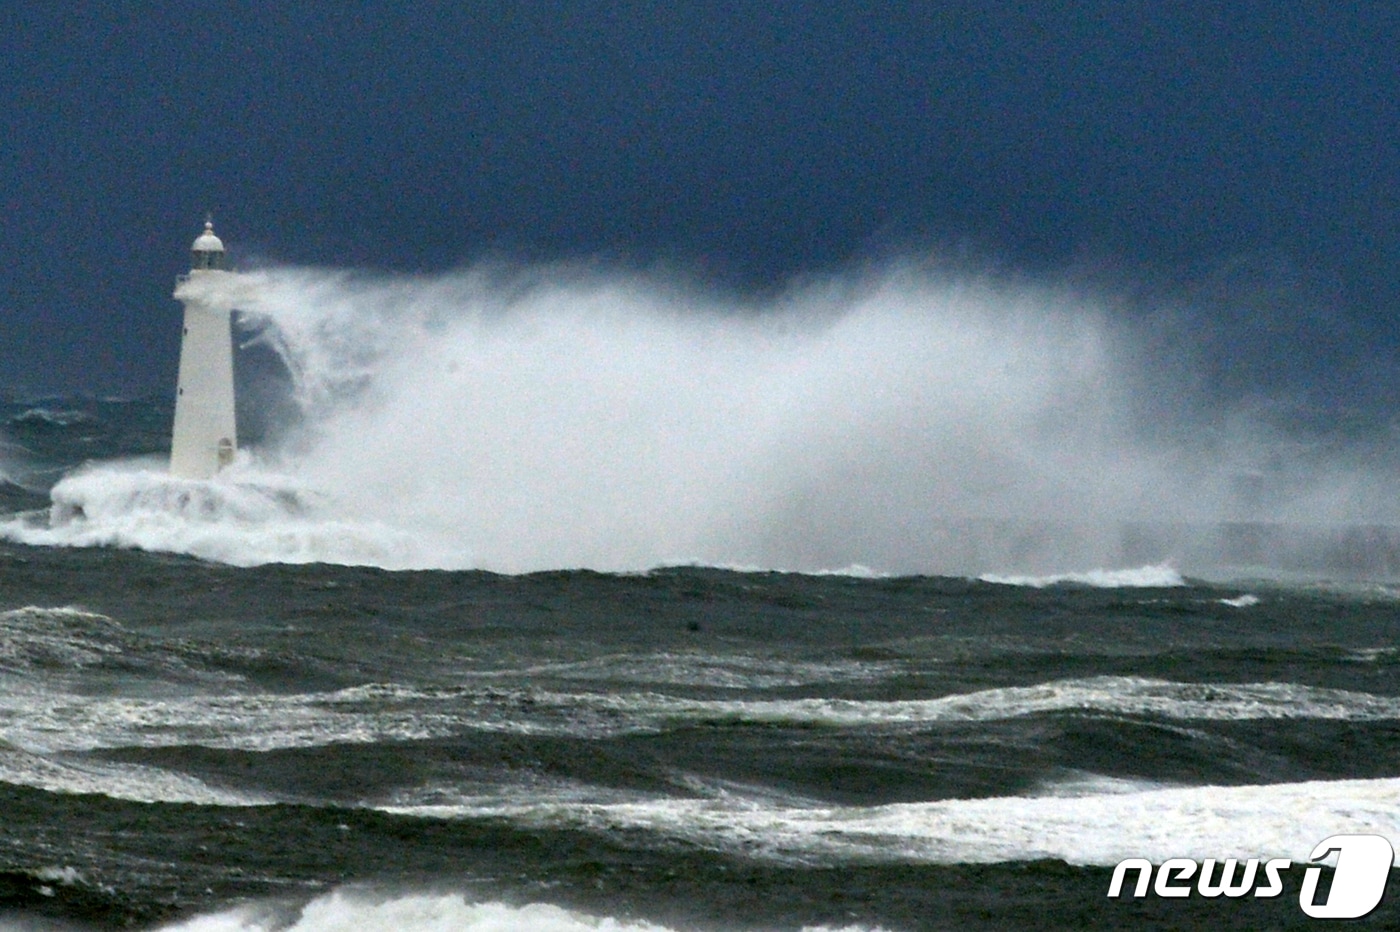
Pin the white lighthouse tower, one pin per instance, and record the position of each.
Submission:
(205, 436)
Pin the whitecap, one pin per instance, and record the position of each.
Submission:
(117, 781)
(246, 516)
(1145, 577)
(355, 909)
(1247, 600)
(44, 720)
(411, 912)
(1093, 828)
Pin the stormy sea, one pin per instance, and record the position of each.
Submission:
(570, 604)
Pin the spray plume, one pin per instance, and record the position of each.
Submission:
(909, 421)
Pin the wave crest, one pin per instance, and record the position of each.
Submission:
(1143, 577)
(246, 516)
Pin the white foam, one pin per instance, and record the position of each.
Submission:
(50, 723)
(51, 418)
(1371, 654)
(247, 515)
(725, 671)
(118, 781)
(1111, 695)
(65, 637)
(66, 875)
(1083, 783)
(365, 911)
(854, 571)
(47, 721)
(1094, 828)
(42, 729)
(1146, 577)
(1247, 600)
(1084, 818)
(349, 911)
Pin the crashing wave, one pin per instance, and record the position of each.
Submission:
(244, 517)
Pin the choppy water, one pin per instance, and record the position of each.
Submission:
(685, 748)
(314, 746)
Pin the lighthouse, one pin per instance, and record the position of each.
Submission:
(205, 436)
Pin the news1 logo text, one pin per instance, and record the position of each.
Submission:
(1358, 881)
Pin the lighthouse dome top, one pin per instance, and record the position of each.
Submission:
(207, 241)
(207, 251)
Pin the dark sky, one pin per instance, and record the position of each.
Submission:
(745, 142)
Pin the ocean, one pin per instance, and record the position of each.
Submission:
(189, 744)
(465, 650)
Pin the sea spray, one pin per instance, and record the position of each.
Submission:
(906, 421)
(616, 423)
